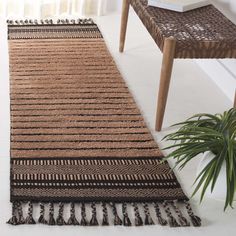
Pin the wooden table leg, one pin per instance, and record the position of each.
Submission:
(124, 21)
(166, 70)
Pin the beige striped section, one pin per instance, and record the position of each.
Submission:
(69, 100)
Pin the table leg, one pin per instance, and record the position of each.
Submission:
(166, 70)
(124, 21)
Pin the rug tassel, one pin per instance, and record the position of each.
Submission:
(196, 221)
(21, 219)
(42, 219)
(60, 220)
(51, 220)
(138, 220)
(160, 219)
(148, 219)
(126, 220)
(50, 22)
(72, 220)
(171, 220)
(29, 219)
(13, 220)
(83, 215)
(117, 219)
(105, 221)
(94, 221)
(182, 220)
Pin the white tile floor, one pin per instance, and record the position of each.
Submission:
(191, 92)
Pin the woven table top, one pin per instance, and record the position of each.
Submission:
(201, 33)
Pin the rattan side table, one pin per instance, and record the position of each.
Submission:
(201, 33)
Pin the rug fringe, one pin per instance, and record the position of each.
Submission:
(175, 211)
(105, 221)
(60, 219)
(42, 219)
(72, 220)
(138, 219)
(51, 220)
(29, 219)
(84, 221)
(148, 219)
(85, 21)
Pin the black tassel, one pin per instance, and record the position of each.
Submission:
(160, 219)
(148, 219)
(117, 219)
(138, 219)
(94, 221)
(126, 220)
(72, 220)
(171, 220)
(83, 216)
(13, 220)
(105, 221)
(10, 22)
(42, 219)
(182, 220)
(196, 221)
(60, 220)
(51, 220)
(21, 219)
(29, 219)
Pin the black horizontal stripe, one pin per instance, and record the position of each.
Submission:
(101, 148)
(66, 74)
(72, 87)
(81, 121)
(119, 186)
(97, 158)
(64, 92)
(148, 181)
(81, 82)
(97, 199)
(176, 186)
(80, 127)
(75, 115)
(74, 103)
(73, 98)
(77, 109)
(36, 134)
(86, 141)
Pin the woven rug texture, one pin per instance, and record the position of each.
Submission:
(78, 138)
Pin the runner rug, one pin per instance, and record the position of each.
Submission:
(81, 153)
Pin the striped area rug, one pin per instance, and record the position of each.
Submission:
(78, 140)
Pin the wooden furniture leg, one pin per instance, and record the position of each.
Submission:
(166, 70)
(124, 21)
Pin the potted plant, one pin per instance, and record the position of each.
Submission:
(214, 136)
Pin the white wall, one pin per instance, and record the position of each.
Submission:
(223, 72)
